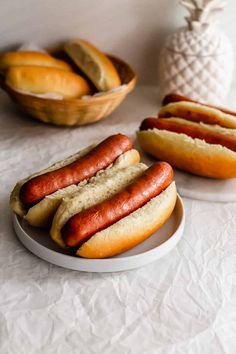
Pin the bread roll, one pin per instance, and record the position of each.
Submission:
(28, 58)
(94, 64)
(41, 80)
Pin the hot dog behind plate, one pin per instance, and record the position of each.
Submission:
(193, 137)
(117, 212)
(37, 197)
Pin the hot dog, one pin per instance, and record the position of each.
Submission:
(37, 197)
(196, 131)
(83, 225)
(180, 106)
(121, 216)
(87, 166)
(186, 135)
(174, 97)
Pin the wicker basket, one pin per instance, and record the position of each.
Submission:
(72, 112)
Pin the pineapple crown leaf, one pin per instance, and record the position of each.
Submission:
(202, 11)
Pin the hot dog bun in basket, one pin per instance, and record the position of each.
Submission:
(43, 80)
(94, 64)
(31, 58)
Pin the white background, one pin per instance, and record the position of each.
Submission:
(133, 29)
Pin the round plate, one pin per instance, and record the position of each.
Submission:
(195, 187)
(156, 246)
(214, 190)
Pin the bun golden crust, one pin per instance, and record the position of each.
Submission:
(191, 155)
(133, 229)
(175, 97)
(42, 80)
(30, 58)
(198, 112)
(95, 65)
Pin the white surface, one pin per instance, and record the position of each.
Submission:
(184, 303)
(205, 188)
(132, 29)
(155, 247)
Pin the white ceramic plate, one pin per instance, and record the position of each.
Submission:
(213, 190)
(158, 245)
(194, 187)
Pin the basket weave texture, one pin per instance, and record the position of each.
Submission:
(71, 112)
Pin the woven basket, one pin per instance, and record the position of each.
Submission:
(72, 112)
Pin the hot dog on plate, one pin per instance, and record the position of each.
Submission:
(196, 138)
(37, 197)
(117, 212)
(175, 105)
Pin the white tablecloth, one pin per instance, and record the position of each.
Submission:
(182, 303)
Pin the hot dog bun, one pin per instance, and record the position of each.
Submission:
(133, 229)
(188, 154)
(41, 213)
(30, 58)
(94, 64)
(180, 106)
(193, 137)
(42, 80)
(128, 231)
(174, 97)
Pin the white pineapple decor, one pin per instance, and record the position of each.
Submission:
(197, 61)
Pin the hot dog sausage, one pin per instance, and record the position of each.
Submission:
(86, 167)
(199, 132)
(85, 224)
(171, 98)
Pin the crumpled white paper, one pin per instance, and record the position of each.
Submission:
(184, 303)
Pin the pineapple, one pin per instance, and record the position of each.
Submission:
(197, 61)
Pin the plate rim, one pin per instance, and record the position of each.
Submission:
(85, 265)
(205, 196)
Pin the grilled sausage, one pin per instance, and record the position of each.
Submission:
(171, 98)
(86, 167)
(85, 224)
(195, 132)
